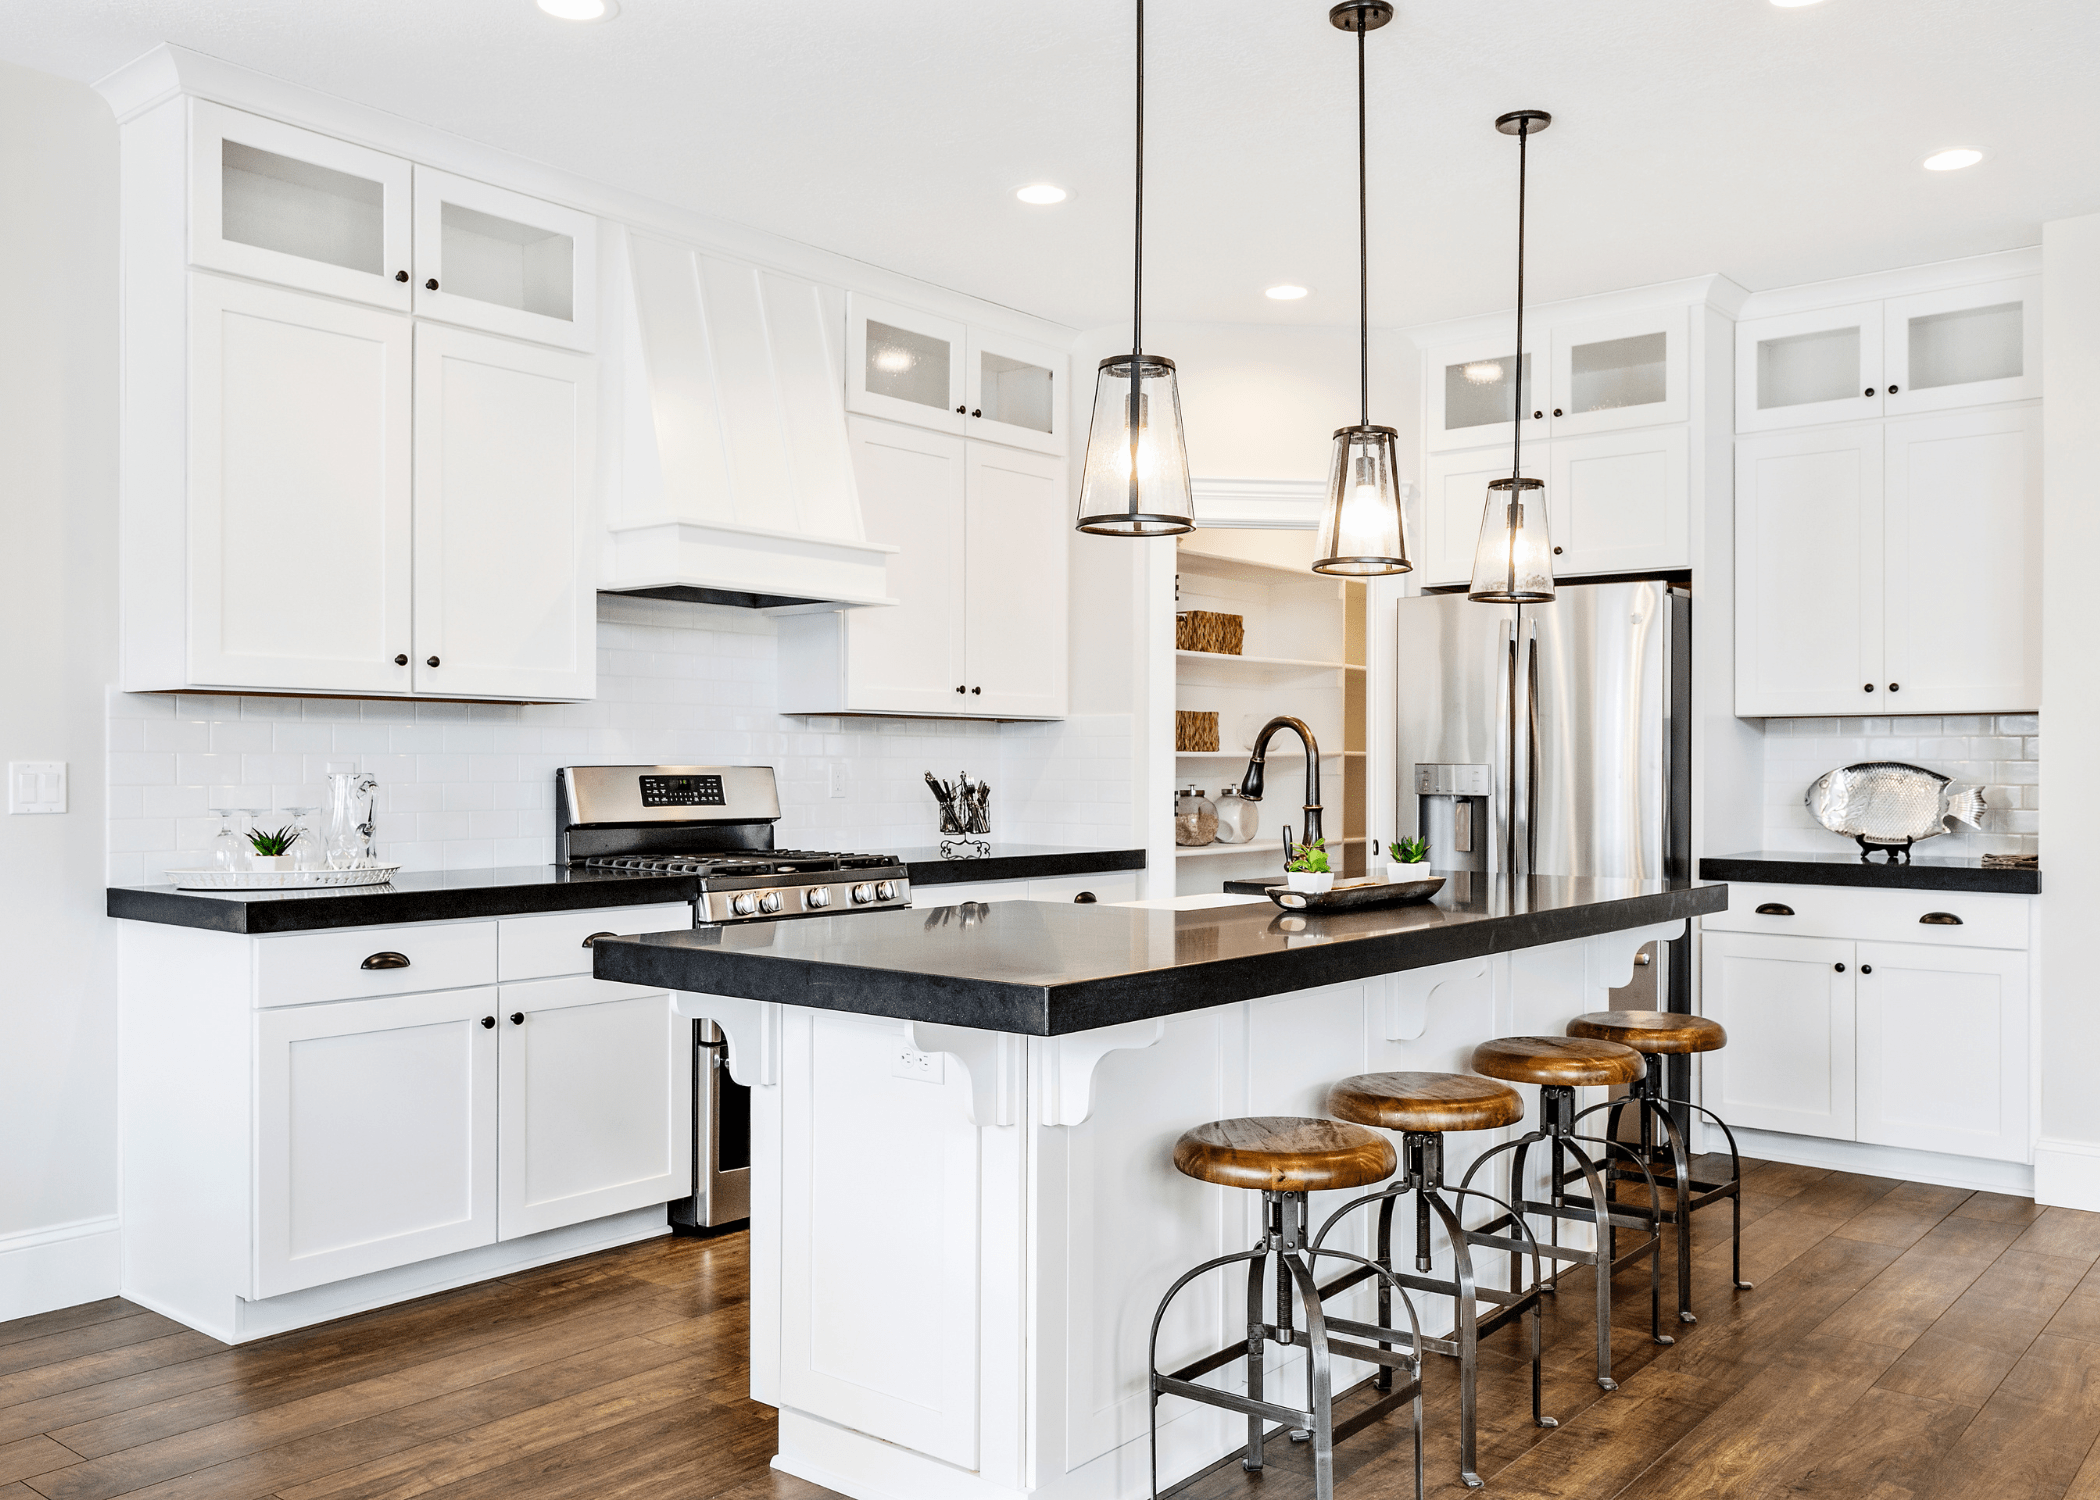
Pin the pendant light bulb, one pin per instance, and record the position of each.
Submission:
(1513, 560)
(1361, 534)
(1135, 481)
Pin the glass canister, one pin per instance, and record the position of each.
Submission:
(350, 812)
(1239, 818)
(1195, 819)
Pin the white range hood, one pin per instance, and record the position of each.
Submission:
(736, 485)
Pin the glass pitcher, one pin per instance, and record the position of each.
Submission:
(350, 811)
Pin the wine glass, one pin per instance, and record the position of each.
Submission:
(226, 843)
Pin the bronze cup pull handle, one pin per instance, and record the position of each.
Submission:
(1940, 919)
(593, 938)
(385, 961)
(1775, 909)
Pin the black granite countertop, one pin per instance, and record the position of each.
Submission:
(1014, 862)
(1922, 873)
(429, 896)
(1046, 969)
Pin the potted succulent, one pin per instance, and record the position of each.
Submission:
(273, 851)
(1410, 851)
(1307, 869)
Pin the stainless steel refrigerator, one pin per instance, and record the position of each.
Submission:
(1549, 739)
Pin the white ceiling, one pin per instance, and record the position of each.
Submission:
(1774, 145)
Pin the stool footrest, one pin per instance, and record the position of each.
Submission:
(1167, 1385)
(1212, 1362)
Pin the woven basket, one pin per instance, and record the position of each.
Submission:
(1203, 630)
(1194, 730)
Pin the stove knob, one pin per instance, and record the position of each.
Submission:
(885, 890)
(863, 894)
(817, 896)
(743, 903)
(769, 902)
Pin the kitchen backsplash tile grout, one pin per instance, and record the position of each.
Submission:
(1999, 752)
(467, 786)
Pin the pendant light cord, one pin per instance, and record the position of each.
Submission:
(1517, 450)
(1132, 422)
(1363, 227)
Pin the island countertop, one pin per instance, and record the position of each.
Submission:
(1050, 968)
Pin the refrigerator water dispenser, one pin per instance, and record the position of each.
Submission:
(1452, 812)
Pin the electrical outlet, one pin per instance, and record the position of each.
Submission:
(838, 778)
(36, 786)
(921, 1067)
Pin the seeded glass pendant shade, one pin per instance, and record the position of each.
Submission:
(1513, 560)
(1136, 479)
(1360, 529)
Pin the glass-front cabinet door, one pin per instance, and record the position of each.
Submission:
(496, 260)
(1472, 394)
(906, 365)
(1800, 369)
(283, 205)
(1015, 392)
(1968, 346)
(1621, 372)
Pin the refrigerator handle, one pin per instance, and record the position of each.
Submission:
(1530, 743)
(1503, 788)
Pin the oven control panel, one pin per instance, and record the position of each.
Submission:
(682, 791)
(754, 901)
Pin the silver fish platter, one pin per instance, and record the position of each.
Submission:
(1887, 805)
(1357, 895)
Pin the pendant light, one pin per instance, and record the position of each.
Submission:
(1136, 480)
(1360, 533)
(1513, 562)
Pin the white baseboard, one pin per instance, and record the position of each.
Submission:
(2067, 1174)
(1975, 1172)
(65, 1265)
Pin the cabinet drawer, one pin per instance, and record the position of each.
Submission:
(558, 942)
(1875, 915)
(1108, 886)
(300, 968)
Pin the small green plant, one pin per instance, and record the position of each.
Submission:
(271, 845)
(1411, 851)
(1309, 859)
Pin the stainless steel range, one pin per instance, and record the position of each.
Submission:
(715, 824)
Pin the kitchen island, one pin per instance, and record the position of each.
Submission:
(963, 1209)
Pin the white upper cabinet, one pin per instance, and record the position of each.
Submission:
(1471, 393)
(906, 365)
(1617, 502)
(1804, 368)
(497, 260)
(506, 535)
(297, 530)
(1453, 501)
(280, 204)
(1014, 646)
(1015, 392)
(1619, 372)
(1966, 346)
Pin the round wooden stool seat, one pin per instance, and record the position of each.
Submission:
(1651, 1030)
(1563, 1061)
(1425, 1101)
(1285, 1154)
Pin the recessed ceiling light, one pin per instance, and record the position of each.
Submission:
(581, 10)
(1284, 293)
(1041, 192)
(1954, 160)
(1794, 4)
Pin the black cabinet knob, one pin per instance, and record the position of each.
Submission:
(1556, 411)
(432, 285)
(1538, 416)
(401, 660)
(1895, 687)
(1556, 551)
(489, 1022)
(975, 691)
(433, 661)
(1839, 967)
(1870, 390)
(401, 276)
(1866, 968)
(1893, 390)
(960, 688)
(961, 411)
(1868, 686)
(517, 1018)
(977, 411)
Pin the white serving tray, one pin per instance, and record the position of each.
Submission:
(280, 880)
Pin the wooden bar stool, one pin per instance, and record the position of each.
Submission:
(1284, 1158)
(1658, 1034)
(1422, 1106)
(1559, 1066)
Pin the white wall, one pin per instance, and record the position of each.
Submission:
(58, 443)
(2067, 1158)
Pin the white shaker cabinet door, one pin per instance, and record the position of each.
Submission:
(596, 1103)
(1455, 499)
(375, 1135)
(1618, 503)
(506, 605)
(1943, 1055)
(1808, 561)
(1787, 1005)
(1015, 534)
(298, 514)
(908, 657)
(1964, 568)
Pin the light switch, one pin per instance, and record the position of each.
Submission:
(36, 786)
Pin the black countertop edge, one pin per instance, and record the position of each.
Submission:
(1846, 869)
(1057, 1010)
(927, 867)
(314, 911)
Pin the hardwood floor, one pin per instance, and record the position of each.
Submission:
(1904, 1342)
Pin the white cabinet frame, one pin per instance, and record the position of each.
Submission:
(1436, 439)
(1674, 323)
(1902, 400)
(1859, 404)
(435, 189)
(951, 417)
(978, 343)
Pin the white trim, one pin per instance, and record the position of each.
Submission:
(1714, 291)
(1974, 1172)
(1286, 504)
(2067, 1174)
(2000, 265)
(60, 1265)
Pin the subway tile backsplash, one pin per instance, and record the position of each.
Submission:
(466, 786)
(2000, 753)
